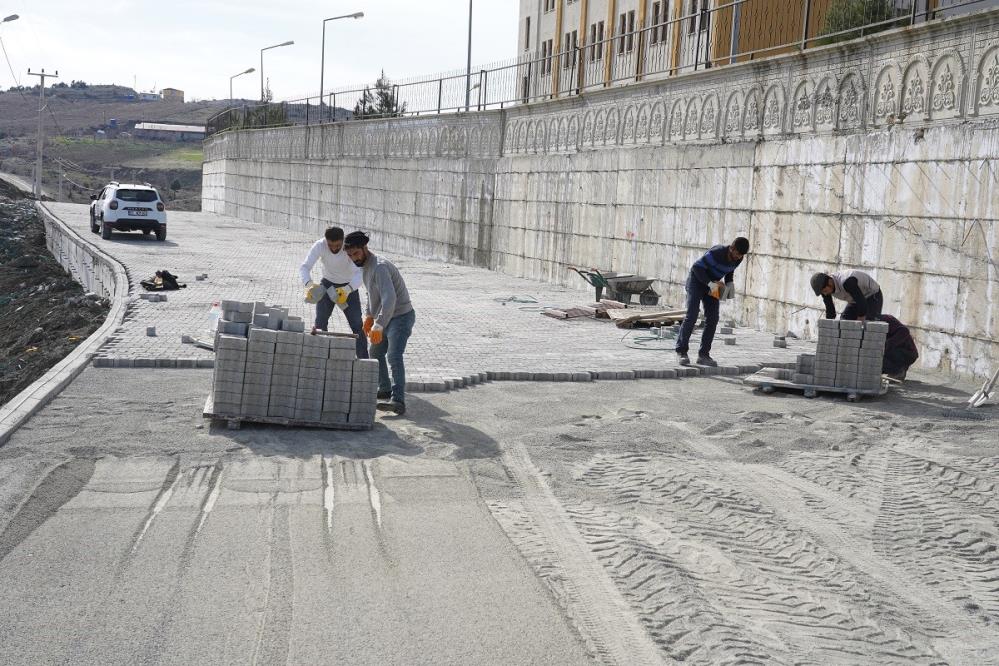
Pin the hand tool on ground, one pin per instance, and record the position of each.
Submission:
(985, 393)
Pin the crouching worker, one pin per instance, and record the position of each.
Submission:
(900, 349)
(388, 322)
(859, 290)
(338, 286)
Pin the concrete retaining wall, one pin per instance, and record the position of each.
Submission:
(99, 273)
(879, 154)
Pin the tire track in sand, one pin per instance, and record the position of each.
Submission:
(598, 607)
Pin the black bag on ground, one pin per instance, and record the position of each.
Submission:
(164, 280)
(900, 348)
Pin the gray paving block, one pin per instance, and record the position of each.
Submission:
(290, 338)
(288, 349)
(851, 334)
(258, 368)
(434, 387)
(849, 343)
(800, 378)
(230, 305)
(342, 354)
(292, 325)
(240, 317)
(780, 344)
(260, 346)
(828, 324)
(687, 372)
(230, 342)
(232, 328)
(263, 335)
(877, 327)
(850, 325)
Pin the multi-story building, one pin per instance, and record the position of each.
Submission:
(172, 95)
(569, 45)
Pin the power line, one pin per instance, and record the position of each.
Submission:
(11, 68)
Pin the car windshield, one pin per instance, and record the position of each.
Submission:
(139, 196)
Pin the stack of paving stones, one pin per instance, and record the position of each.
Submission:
(849, 354)
(267, 368)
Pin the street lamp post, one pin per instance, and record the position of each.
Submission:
(249, 71)
(322, 59)
(268, 48)
(8, 19)
(468, 71)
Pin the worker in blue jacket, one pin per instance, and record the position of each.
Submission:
(709, 281)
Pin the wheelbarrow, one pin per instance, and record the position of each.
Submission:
(620, 286)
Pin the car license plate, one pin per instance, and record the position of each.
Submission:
(138, 213)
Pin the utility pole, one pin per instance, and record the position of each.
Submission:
(41, 108)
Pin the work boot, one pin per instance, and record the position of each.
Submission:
(684, 359)
(705, 359)
(394, 406)
(384, 395)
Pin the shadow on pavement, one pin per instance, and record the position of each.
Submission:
(276, 440)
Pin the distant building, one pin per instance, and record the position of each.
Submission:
(149, 97)
(164, 132)
(172, 95)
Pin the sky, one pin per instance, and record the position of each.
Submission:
(196, 45)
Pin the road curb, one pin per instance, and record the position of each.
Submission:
(98, 272)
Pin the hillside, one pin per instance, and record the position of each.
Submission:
(79, 160)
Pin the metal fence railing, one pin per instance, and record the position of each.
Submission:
(703, 38)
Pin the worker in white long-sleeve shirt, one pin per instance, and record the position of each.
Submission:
(340, 283)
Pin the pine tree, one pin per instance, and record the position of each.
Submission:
(380, 103)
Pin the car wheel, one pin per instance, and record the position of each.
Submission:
(105, 231)
(161, 234)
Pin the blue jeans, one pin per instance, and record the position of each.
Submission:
(698, 293)
(324, 309)
(391, 349)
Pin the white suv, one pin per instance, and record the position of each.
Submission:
(128, 207)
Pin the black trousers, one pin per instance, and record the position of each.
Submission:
(874, 304)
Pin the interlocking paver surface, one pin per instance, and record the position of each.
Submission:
(469, 320)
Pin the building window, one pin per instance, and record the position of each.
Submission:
(527, 34)
(549, 6)
(626, 28)
(660, 21)
(569, 46)
(547, 51)
(698, 17)
(596, 41)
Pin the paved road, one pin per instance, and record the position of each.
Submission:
(132, 533)
(466, 320)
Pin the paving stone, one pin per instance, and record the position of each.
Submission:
(462, 330)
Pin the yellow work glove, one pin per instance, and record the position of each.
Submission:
(375, 335)
(313, 293)
(369, 321)
(341, 295)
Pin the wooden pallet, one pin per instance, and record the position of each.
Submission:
(235, 421)
(768, 384)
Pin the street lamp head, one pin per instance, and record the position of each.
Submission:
(12, 17)
(250, 71)
(289, 43)
(357, 15)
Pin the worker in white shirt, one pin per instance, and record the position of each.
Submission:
(338, 286)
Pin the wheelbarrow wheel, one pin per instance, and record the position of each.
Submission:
(648, 298)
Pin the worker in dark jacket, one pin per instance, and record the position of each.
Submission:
(900, 349)
(709, 281)
(859, 290)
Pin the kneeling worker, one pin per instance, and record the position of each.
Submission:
(704, 285)
(340, 282)
(389, 321)
(860, 291)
